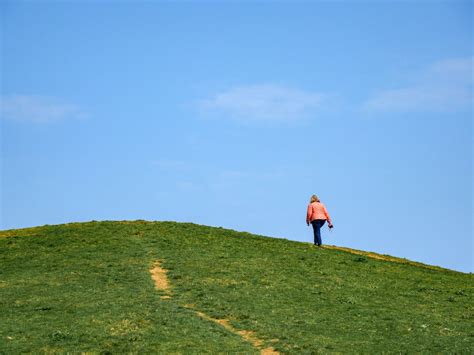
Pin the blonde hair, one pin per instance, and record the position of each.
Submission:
(314, 198)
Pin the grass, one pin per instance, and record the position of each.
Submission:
(86, 287)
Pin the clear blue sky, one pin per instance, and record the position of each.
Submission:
(233, 114)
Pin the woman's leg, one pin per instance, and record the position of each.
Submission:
(321, 224)
(317, 232)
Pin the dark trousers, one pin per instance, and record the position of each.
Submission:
(317, 224)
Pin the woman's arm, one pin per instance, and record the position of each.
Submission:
(328, 218)
(308, 214)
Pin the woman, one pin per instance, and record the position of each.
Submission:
(317, 215)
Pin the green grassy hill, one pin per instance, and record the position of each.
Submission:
(87, 287)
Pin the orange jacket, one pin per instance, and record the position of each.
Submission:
(317, 210)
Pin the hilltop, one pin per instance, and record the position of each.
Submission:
(180, 287)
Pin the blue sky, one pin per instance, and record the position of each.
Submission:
(234, 114)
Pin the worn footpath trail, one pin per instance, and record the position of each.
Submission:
(381, 257)
(158, 274)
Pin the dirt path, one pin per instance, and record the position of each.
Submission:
(381, 257)
(158, 274)
(248, 335)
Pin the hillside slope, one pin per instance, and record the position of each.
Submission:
(87, 287)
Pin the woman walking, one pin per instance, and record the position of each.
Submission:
(317, 215)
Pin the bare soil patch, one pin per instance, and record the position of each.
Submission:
(158, 274)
